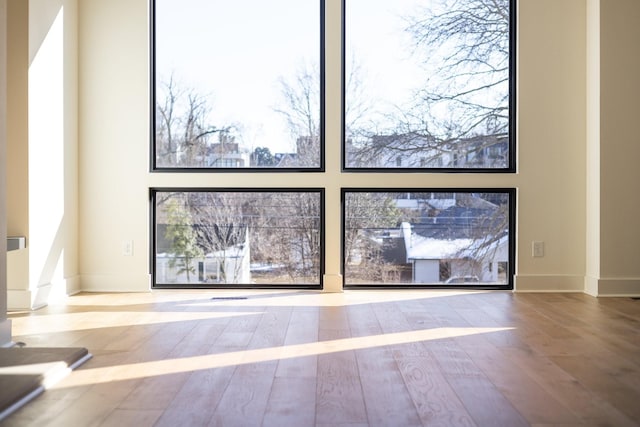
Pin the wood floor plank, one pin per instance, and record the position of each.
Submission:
(244, 401)
(156, 392)
(487, 404)
(55, 402)
(484, 402)
(339, 392)
(199, 393)
(388, 402)
(292, 402)
(194, 404)
(302, 329)
(599, 381)
(607, 326)
(530, 399)
(367, 358)
(245, 398)
(566, 389)
(132, 417)
(392, 320)
(626, 306)
(94, 406)
(435, 401)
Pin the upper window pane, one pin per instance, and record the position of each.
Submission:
(237, 84)
(427, 84)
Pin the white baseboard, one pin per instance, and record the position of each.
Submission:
(116, 283)
(72, 285)
(618, 287)
(27, 299)
(549, 283)
(332, 283)
(597, 287)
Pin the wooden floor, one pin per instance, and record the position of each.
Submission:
(361, 358)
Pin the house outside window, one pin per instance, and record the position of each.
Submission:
(432, 241)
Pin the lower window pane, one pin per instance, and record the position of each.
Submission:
(224, 238)
(427, 237)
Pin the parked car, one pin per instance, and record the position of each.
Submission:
(462, 279)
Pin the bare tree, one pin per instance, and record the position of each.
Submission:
(288, 234)
(465, 44)
(306, 216)
(221, 228)
(183, 131)
(360, 104)
(301, 107)
(376, 244)
(367, 215)
(275, 229)
(459, 116)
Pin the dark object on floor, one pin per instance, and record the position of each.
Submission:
(25, 372)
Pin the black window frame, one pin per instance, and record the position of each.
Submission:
(511, 268)
(511, 163)
(153, 236)
(154, 168)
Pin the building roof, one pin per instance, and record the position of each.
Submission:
(459, 222)
(421, 247)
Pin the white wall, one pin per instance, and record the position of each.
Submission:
(53, 147)
(592, 254)
(618, 143)
(43, 147)
(551, 133)
(114, 138)
(19, 295)
(5, 324)
(554, 179)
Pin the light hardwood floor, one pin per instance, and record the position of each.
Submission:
(361, 358)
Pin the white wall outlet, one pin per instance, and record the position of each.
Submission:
(127, 248)
(537, 249)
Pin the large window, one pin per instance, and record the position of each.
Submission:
(237, 84)
(428, 85)
(319, 143)
(216, 238)
(428, 238)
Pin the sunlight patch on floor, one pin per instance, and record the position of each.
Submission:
(319, 299)
(70, 322)
(195, 363)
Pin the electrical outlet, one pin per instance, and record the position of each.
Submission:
(127, 248)
(537, 249)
